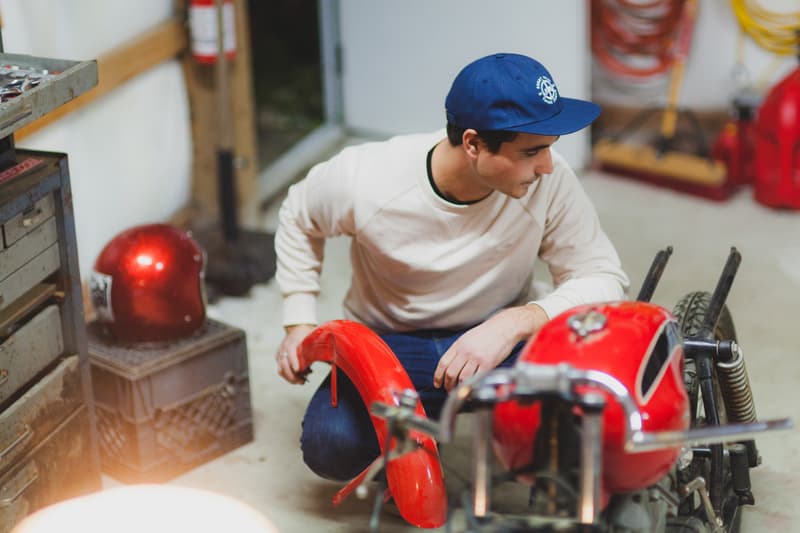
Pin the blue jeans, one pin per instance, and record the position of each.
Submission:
(339, 442)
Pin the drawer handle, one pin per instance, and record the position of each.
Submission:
(21, 438)
(5, 502)
(32, 217)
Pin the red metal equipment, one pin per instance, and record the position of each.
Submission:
(777, 153)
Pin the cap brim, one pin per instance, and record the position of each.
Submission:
(574, 115)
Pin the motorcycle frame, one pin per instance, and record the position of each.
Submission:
(532, 382)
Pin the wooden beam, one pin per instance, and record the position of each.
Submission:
(205, 141)
(114, 68)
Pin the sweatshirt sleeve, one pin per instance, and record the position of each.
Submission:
(581, 259)
(317, 207)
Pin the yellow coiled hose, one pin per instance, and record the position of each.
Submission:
(776, 32)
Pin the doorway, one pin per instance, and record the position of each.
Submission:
(296, 83)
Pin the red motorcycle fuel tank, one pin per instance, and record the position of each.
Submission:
(639, 345)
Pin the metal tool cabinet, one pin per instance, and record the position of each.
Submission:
(48, 440)
(48, 443)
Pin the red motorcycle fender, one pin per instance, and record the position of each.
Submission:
(415, 479)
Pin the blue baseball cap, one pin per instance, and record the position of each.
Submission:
(513, 92)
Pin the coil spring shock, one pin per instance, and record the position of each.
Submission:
(735, 387)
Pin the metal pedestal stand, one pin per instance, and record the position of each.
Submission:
(237, 258)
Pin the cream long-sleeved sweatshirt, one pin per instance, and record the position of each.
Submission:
(421, 262)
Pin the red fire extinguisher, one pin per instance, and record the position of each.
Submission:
(203, 24)
(735, 144)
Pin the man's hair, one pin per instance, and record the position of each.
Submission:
(492, 138)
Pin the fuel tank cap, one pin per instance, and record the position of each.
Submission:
(591, 321)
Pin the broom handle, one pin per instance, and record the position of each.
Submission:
(670, 117)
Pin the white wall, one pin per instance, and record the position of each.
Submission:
(129, 152)
(400, 57)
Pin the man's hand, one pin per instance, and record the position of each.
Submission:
(288, 363)
(485, 346)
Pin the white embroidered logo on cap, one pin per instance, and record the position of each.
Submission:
(547, 89)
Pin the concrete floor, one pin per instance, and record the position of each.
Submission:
(269, 474)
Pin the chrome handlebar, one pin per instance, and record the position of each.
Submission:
(529, 379)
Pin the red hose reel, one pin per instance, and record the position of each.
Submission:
(636, 39)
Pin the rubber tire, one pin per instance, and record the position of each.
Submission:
(690, 311)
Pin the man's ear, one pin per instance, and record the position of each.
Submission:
(471, 143)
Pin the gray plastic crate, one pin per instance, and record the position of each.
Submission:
(164, 408)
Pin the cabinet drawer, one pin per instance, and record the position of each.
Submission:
(53, 471)
(33, 272)
(28, 247)
(39, 411)
(29, 350)
(13, 315)
(28, 220)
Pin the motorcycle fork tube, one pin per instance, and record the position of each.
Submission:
(704, 362)
(481, 463)
(590, 460)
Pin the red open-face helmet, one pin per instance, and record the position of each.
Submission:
(148, 285)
